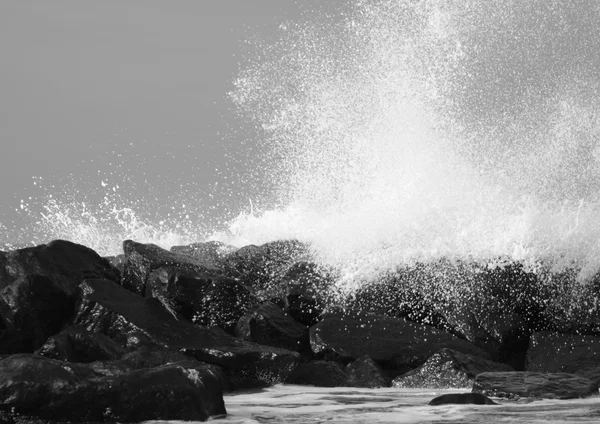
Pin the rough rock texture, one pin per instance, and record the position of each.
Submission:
(269, 325)
(54, 390)
(76, 344)
(535, 385)
(393, 342)
(40, 285)
(211, 252)
(142, 259)
(120, 314)
(305, 291)
(461, 399)
(557, 352)
(364, 372)
(201, 298)
(320, 374)
(494, 307)
(258, 267)
(448, 369)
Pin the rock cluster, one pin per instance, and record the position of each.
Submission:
(158, 334)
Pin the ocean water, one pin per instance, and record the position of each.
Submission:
(386, 133)
(305, 404)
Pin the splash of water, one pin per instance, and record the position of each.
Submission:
(414, 130)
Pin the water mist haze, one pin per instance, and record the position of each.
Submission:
(389, 132)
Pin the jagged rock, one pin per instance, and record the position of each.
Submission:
(142, 259)
(76, 344)
(461, 399)
(495, 306)
(118, 313)
(320, 374)
(304, 290)
(201, 298)
(535, 385)
(211, 252)
(557, 352)
(269, 325)
(40, 285)
(448, 369)
(393, 342)
(364, 372)
(47, 389)
(258, 267)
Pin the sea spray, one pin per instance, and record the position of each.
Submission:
(392, 133)
(408, 131)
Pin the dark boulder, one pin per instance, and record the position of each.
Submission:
(448, 369)
(461, 399)
(260, 267)
(394, 343)
(305, 290)
(269, 325)
(204, 299)
(557, 352)
(535, 385)
(39, 286)
(76, 344)
(120, 314)
(47, 389)
(142, 259)
(365, 372)
(211, 252)
(320, 374)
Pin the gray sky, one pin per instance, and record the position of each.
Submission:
(80, 80)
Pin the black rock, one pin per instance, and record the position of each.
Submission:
(448, 369)
(39, 287)
(394, 343)
(461, 399)
(558, 352)
(204, 299)
(122, 315)
(76, 344)
(320, 374)
(534, 385)
(47, 389)
(269, 325)
(364, 372)
(142, 259)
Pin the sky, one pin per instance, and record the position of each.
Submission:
(94, 89)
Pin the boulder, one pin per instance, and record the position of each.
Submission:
(211, 252)
(40, 285)
(558, 352)
(259, 267)
(320, 374)
(462, 399)
(142, 259)
(448, 369)
(364, 372)
(305, 288)
(121, 315)
(76, 344)
(394, 343)
(48, 389)
(535, 385)
(269, 325)
(204, 299)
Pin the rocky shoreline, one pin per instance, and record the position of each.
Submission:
(157, 334)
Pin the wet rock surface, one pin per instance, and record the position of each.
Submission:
(54, 390)
(320, 374)
(448, 369)
(462, 399)
(535, 385)
(120, 314)
(395, 342)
